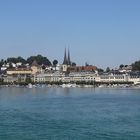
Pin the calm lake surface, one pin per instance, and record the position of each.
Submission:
(69, 114)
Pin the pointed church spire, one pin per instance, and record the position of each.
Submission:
(69, 62)
(65, 58)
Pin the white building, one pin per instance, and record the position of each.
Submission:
(3, 68)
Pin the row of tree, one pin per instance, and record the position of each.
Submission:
(41, 60)
(136, 66)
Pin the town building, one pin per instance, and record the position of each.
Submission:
(82, 69)
(127, 68)
(66, 73)
(19, 71)
(35, 67)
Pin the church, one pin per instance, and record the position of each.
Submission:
(66, 62)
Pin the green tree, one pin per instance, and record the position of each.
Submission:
(121, 66)
(55, 62)
(100, 70)
(10, 65)
(16, 60)
(41, 60)
(1, 81)
(22, 60)
(107, 69)
(43, 67)
(86, 64)
(1, 62)
(136, 66)
(126, 65)
(73, 64)
(28, 80)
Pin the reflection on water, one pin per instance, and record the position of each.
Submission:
(69, 113)
(66, 91)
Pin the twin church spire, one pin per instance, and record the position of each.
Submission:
(67, 60)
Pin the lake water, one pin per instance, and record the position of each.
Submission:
(69, 114)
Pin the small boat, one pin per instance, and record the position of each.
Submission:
(66, 85)
(30, 86)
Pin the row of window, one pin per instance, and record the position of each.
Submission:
(112, 77)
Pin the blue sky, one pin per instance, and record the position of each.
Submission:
(100, 32)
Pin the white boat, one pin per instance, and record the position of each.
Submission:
(73, 85)
(66, 85)
(30, 86)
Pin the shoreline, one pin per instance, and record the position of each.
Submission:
(69, 85)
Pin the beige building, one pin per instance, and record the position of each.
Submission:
(43, 77)
(35, 68)
(10, 79)
(19, 71)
